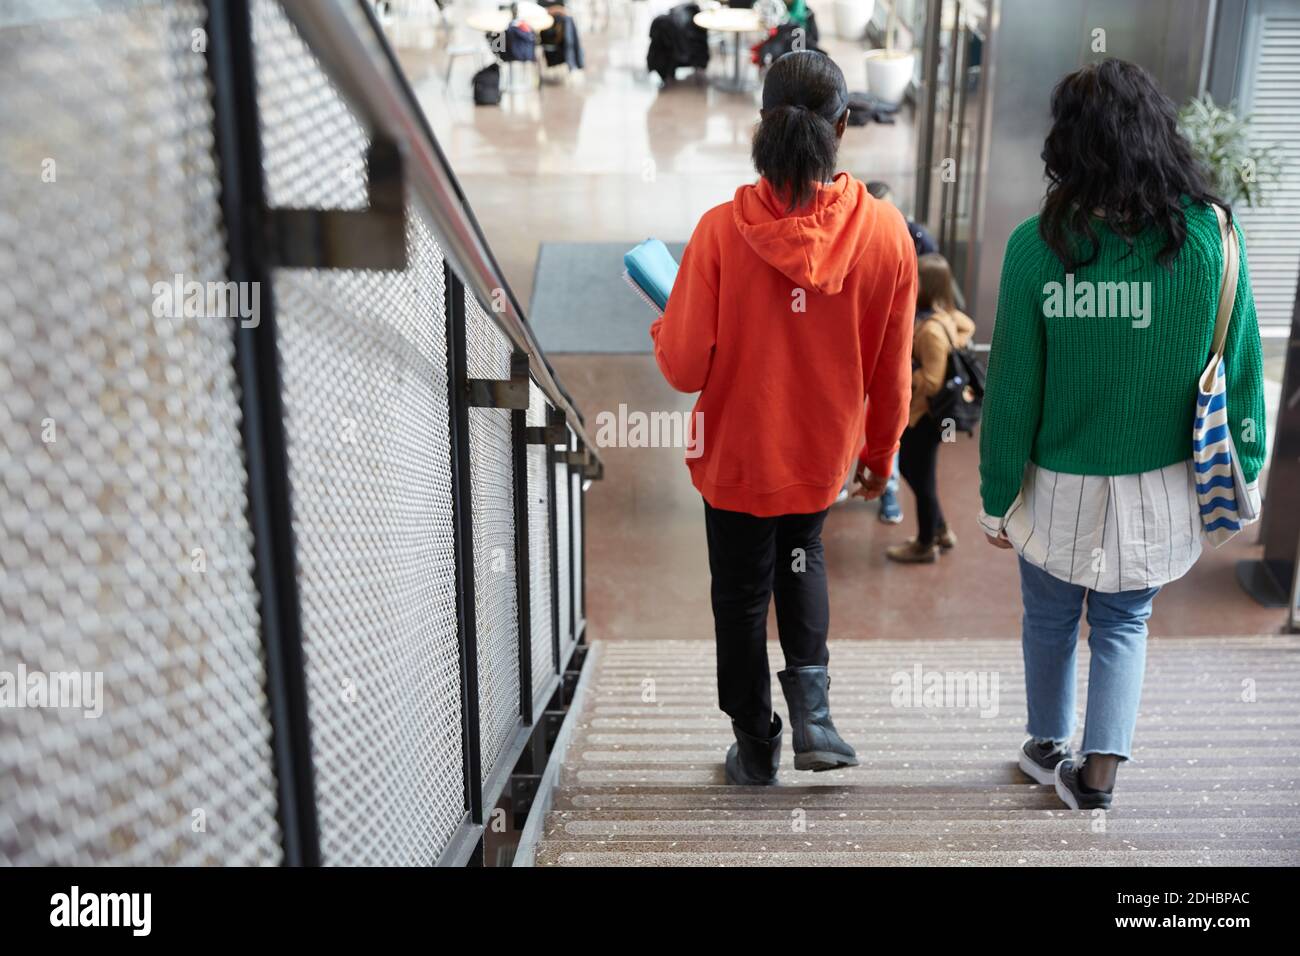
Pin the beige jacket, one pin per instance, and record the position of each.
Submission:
(930, 347)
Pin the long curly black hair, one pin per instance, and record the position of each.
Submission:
(1115, 150)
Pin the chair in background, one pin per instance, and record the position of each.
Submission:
(460, 41)
(410, 23)
(561, 44)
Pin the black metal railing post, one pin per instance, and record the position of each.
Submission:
(573, 545)
(583, 590)
(463, 521)
(230, 59)
(553, 518)
(523, 563)
(575, 461)
(580, 549)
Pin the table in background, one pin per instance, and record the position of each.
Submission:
(735, 21)
(496, 21)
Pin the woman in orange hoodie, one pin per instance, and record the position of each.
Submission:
(791, 315)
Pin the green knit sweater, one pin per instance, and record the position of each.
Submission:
(1083, 383)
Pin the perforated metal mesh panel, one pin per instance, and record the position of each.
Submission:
(565, 567)
(124, 551)
(493, 501)
(539, 556)
(364, 367)
(300, 110)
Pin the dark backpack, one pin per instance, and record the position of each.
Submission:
(521, 44)
(487, 86)
(961, 397)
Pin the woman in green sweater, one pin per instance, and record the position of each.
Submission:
(1105, 319)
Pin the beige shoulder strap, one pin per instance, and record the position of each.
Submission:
(943, 327)
(1228, 284)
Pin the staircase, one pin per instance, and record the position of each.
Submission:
(1213, 780)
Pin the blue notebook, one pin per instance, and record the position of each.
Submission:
(650, 270)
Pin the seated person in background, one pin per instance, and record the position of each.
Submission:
(790, 25)
(560, 41)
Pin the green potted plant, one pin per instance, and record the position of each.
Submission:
(1240, 171)
(889, 71)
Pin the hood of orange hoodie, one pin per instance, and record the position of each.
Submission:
(817, 245)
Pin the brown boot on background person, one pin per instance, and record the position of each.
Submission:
(912, 552)
(945, 539)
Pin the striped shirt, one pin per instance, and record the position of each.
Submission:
(1107, 532)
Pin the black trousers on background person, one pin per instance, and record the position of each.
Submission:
(750, 560)
(918, 461)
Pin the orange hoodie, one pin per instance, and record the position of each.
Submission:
(792, 326)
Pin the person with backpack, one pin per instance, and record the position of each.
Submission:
(1091, 448)
(891, 512)
(941, 328)
(791, 315)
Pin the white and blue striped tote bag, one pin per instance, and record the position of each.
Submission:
(1221, 492)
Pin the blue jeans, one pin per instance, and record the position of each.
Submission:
(1118, 642)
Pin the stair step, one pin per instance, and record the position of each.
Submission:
(712, 773)
(1215, 779)
(577, 825)
(718, 735)
(973, 757)
(684, 854)
(950, 800)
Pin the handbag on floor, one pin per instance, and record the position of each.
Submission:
(487, 86)
(1221, 492)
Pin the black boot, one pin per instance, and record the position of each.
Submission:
(753, 761)
(817, 744)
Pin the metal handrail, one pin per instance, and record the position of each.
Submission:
(347, 42)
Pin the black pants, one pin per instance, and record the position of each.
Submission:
(750, 559)
(918, 459)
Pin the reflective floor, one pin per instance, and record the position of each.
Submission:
(609, 155)
(648, 570)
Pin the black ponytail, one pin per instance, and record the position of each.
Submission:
(795, 143)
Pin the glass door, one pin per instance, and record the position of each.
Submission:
(950, 145)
